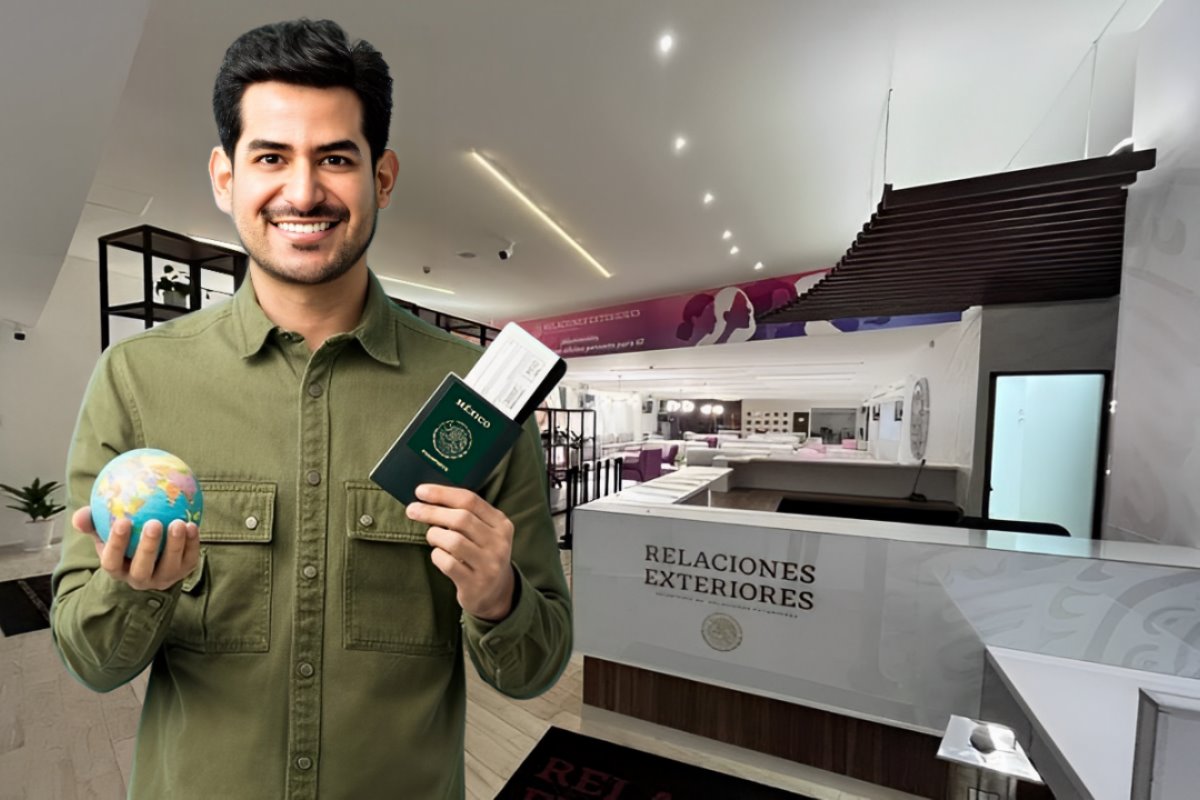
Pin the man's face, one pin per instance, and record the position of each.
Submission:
(301, 189)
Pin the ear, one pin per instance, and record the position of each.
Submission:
(385, 178)
(220, 172)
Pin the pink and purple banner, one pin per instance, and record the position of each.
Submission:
(716, 316)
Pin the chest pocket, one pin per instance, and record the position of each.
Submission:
(225, 606)
(396, 600)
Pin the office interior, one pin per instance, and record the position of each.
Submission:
(999, 509)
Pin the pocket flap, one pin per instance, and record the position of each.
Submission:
(375, 515)
(237, 511)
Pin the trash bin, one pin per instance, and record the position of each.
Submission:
(986, 761)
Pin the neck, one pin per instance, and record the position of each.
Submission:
(315, 312)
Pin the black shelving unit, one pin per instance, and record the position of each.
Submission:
(151, 243)
(569, 440)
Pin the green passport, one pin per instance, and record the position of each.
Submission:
(457, 438)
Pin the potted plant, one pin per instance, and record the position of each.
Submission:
(35, 502)
(174, 287)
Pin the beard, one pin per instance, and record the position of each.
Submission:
(341, 260)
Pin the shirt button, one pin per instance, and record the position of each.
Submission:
(366, 520)
(251, 522)
(309, 571)
(304, 762)
(154, 603)
(314, 390)
(314, 477)
(305, 669)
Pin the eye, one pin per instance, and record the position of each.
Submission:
(270, 159)
(338, 161)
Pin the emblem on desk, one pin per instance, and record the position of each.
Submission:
(452, 439)
(721, 632)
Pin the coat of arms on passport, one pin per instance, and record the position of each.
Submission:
(452, 439)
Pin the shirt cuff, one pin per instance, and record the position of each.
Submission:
(495, 638)
(147, 604)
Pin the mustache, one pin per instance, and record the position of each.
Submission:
(321, 211)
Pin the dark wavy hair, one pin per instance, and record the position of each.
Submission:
(306, 53)
(694, 307)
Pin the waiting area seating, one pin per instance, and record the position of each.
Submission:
(641, 465)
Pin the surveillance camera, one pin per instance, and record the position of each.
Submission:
(19, 335)
(507, 252)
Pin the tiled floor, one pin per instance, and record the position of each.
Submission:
(60, 741)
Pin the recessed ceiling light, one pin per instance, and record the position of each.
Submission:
(727, 235)
(758, 265)
(666, 43)
(680, 143)
(708, 198)
(733, 251)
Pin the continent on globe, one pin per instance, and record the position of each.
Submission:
(142, 485)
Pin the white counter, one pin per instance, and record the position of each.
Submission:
(878, 620)
(1084, 717)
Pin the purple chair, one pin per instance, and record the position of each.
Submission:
(668, 459)
(641, 466)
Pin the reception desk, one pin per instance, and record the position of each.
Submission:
(847, 644)
(851, 474)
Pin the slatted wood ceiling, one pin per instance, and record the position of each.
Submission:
(1047, 234)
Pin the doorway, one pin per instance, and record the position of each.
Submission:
(1046, 440)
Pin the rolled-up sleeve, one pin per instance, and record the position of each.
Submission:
(524, 654)
(104, 631)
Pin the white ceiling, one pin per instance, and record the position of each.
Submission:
(834, 367)
(783, 102)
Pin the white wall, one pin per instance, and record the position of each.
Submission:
(1036, 338)
(1154, 488)
(43, 382)
(951, 364)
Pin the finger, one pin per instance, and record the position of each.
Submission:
(191, 551)
(450, 566)
(82, 520)
(141, 570)
(113, 558)
(167, 571)
(458, 546)
(454, 519)
(465, 499)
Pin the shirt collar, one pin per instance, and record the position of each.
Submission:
(375, 330)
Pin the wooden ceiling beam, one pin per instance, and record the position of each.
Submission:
(1120, 169)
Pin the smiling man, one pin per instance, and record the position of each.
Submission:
(307, 640)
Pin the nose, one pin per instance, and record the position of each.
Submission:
(303, 188)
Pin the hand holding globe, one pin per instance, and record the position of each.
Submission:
(137, 498)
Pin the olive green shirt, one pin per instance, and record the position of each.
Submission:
(316, 651)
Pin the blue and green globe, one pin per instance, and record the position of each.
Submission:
(142, 485)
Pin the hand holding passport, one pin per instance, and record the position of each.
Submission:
(467, 426)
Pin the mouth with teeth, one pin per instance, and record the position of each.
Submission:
(305, 231)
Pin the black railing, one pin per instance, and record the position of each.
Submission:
(590, 481)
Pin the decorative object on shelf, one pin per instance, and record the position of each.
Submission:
(174, 287)
(192, 263)
(35, 502)
(918, 432)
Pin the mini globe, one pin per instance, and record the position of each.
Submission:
(142, 485)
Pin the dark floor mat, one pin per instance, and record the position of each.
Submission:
(570, 766)
(25, 605)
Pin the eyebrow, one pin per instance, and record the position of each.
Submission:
(344, 146)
